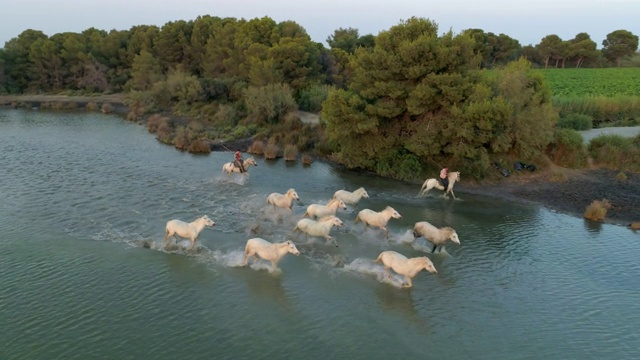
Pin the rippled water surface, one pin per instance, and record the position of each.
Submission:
(84, 199)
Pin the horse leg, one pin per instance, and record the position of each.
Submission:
(452, 194)
(386, 232)
(193, 243)
(434, 248)
(408, 280)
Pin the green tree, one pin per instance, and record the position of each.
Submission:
(218, 49)
(171, 47)
(582, 48)
(550, 47)
(345, 39)
(417, 100)
(145, 72)
(18, 68)
(618, 45)
(47, 68)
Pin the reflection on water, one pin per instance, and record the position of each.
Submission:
(84, 200)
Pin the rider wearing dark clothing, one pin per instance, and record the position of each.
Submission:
(444, 178)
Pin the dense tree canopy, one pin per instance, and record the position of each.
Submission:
(619, 44)
(416, 100)
(399, 103)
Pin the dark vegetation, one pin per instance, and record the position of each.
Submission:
(400, 104)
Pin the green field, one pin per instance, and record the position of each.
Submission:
(593, 82)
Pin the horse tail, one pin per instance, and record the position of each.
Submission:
(379, 259)
(306, 213)
(357, 219)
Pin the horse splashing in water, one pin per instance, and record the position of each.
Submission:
(283, 201)
(378, 219)
(436, 236)
(268, 251)
(434, 183)
(351, 198)
(320, 227)
(404, 266)
(230, 167)
(187, 230)
(319, 211)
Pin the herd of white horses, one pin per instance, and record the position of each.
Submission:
(318, 221)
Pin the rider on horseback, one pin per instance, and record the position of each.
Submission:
(239, 163)
(444, 178)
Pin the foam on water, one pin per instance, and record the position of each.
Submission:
(369, 267)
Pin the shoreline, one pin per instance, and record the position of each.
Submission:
(571, 196)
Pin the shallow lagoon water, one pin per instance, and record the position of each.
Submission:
(84, 199)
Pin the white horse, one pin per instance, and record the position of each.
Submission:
(320, 227)
(319, 211)
(435, 236)
(434, 183)
(404, 266)
(283, 201)
(351, 198)
(378, 219)
(268, 251)
(187, 230)
(230, 167)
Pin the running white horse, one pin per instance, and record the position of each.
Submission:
(378, 219)
(434, 183)
(404, 266)
(320, 227)
(351, 198)
(319, 211)
(268, 251)
(187, 230)
(283, 201)
(230, 167)
(434, 235)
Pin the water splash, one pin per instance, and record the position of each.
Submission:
(369, 267)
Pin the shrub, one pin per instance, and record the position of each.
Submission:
(307, 159)
(615, 152)
(268, 104)
(106, 108)
(240, 132)
(310, 99)
(164, 132)
(181, 139)
(635, 225)
(597, 210)
(621, 176)
(92, 106)
(290, 152)
(577, 122)
(200, 146)
(272, 151)
(256, 148)
(567, 149)
(153, 122)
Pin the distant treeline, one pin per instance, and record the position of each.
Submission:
(400, 104)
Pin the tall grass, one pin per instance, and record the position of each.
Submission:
(616, 152)
(605, 110)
